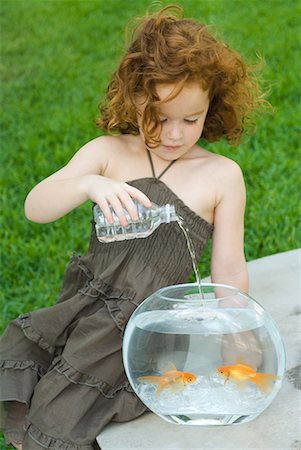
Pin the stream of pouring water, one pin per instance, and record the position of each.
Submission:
(191, 250)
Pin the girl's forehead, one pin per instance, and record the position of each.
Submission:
(192, 97)
(189, 89)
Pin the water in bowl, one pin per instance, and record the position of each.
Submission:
(191, 340)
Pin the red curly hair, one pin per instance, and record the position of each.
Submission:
(167, 48)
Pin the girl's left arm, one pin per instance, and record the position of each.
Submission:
(228, 264)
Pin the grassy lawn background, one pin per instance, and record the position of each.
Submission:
(56, 60)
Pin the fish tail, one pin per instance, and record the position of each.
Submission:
(161, 388)
(152, 379)
(264, 381)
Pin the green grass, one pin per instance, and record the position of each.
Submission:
(56, 60)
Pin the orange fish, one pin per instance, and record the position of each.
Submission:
(242, 374)
(171, 379)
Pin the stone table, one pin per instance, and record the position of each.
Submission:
(275, 283)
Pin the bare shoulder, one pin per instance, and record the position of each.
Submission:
(224, 169)
(98, 152)
(231, 181)
(221, 164)
(92, 158)
(224, 175)
(101, 146)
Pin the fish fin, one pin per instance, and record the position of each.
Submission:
(247, 364)
(163, 385)
(170, 367)
(175, 387)
(151, 379)
(227, 378)
(239, 360)
(264, 381)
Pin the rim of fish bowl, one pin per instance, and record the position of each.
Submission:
(201, 300)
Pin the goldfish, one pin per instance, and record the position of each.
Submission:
(243, 373)
(172, 379)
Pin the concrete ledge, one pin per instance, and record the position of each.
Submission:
(275, 283)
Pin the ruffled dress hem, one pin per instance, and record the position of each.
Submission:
(50, 442)
(65, 362)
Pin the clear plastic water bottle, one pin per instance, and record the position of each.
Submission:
(148, 220)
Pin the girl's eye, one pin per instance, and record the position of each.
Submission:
(190, 121)
(163, 120)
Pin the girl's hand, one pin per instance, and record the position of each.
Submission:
(107, 192)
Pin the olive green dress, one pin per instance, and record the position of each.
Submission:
(64, 363)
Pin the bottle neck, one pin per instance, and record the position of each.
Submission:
(168, 213)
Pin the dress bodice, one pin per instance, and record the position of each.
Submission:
(144, 265)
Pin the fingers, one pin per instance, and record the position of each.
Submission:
(104, 206)
(138, 195)
(129, 205)
(112, 204)
(121, 201)
(119, 210)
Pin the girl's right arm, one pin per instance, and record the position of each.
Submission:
(81, 180)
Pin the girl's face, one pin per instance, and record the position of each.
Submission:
(182, 119)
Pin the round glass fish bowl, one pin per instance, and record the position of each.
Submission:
(203, 356)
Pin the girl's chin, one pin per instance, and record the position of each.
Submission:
(170, 153)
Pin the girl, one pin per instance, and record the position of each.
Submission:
(63, 378)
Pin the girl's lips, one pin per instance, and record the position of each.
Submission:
(172, 147)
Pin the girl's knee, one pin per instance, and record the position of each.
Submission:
(17, 446)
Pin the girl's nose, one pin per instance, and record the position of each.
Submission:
(174, 131)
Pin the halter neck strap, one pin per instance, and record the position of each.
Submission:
(152, 165)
